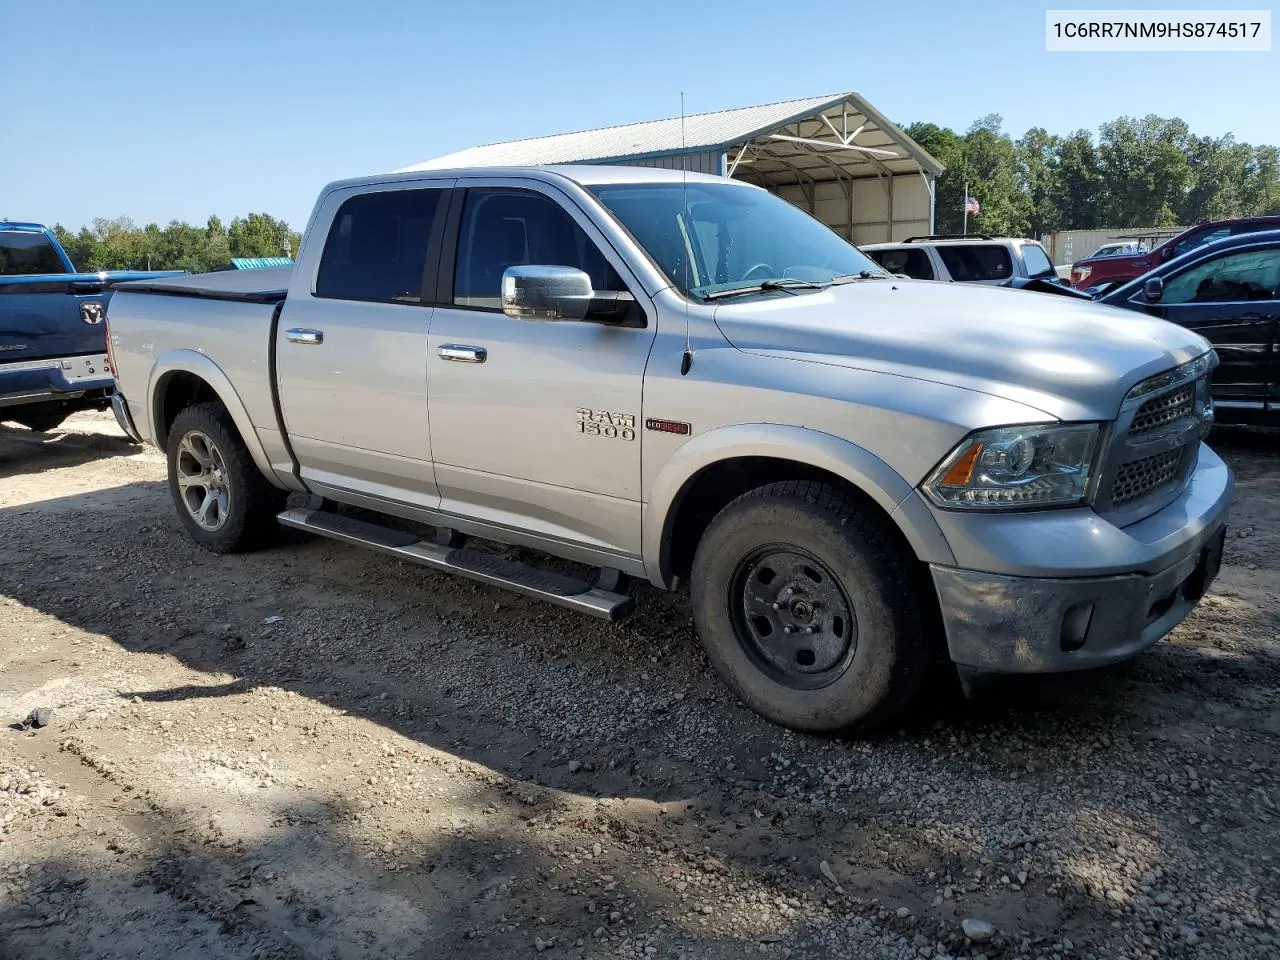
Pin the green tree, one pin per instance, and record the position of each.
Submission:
(947, 147)
(991, 169)
(1038, 173)
(80, 246)
(1076, 190)
(216, 245)
(259, 235)
(1145, 169)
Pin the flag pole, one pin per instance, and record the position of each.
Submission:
(965, 201)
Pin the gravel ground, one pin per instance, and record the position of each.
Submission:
(319, 752)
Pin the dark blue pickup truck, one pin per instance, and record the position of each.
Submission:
(53, 349)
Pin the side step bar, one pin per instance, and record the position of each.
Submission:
(553, 587)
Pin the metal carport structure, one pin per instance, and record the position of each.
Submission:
(835, 156)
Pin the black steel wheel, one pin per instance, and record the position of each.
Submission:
(793, 616)
(811, 607)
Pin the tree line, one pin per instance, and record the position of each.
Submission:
(1148, 172)
(119, 244)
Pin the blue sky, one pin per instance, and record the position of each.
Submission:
(164, 111)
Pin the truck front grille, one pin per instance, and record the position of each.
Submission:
(1137, 478)
(1162, 411)
(1156, 442)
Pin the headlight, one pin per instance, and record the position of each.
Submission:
(1017, 468)
(1080, 274)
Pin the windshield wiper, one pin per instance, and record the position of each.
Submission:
(782, 283)
(861, 275)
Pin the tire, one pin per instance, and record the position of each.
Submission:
(40, 419)
(221, 496)
(860, 643)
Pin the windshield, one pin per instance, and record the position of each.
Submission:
(711, 237)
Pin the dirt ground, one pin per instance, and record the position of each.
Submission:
(317, 752)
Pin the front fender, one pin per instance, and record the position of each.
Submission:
(198, 364)
(852, 463)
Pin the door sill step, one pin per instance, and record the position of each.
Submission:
(555, 588)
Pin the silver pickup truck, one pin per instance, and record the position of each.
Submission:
(685, 379)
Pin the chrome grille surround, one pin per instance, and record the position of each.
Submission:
(1155, 441)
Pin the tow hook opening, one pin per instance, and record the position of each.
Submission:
(1075, 626)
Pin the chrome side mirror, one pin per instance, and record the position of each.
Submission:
(1153, 290)
(540, 292)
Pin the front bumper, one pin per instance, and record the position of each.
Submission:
(1042, 624)
(56, 378)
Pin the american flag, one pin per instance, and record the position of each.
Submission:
(971, 205)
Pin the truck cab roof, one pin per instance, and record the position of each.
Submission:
(580, 173)
(24, 225)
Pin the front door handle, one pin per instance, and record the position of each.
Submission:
(298, 335)
(462, 353)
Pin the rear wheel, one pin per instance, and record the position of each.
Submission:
(808, 608)
(223, 500)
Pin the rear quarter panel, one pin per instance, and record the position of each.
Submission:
(226, 343)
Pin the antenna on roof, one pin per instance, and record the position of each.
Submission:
(686, 361)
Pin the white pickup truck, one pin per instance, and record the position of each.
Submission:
(683, 378)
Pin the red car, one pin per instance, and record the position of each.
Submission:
(1092, 272)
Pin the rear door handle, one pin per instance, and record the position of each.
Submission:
(298, 335)
(462, 353)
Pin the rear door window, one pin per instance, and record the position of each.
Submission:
(1037, 261)
(24, 253)
(974, 263)
(377, 247)
(911, 261)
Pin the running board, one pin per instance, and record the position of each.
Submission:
(553, 587)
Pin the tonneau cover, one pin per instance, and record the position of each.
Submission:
(253, 286)
(78, 282)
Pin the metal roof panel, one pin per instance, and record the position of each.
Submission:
(692, 133)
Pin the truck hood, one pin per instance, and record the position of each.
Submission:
(1070, 359)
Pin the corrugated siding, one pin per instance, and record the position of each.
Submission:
(260, 263)
(1068, 246)
(871, 214)
(709, 161)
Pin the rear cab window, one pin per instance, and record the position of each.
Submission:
(1037, 261)
(909, 261)
(976, 262)
(24, 253)
(377, 247)
(1200, 239)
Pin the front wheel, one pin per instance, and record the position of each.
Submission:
(808, 608)
(223, 500)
